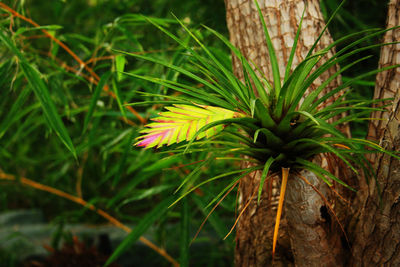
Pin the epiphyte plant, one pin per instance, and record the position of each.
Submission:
(277, 125)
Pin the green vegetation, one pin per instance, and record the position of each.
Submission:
(70, 112)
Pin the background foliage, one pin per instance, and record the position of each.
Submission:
(108, 172)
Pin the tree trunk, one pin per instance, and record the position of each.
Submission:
(377, 231)
(314, 241)
(312, 233)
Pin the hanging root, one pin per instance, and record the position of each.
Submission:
(285, 175)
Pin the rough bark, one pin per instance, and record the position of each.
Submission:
(310, 222)
(254, 231)
(377, 232)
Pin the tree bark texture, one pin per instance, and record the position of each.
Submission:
(377, 232)
(255, 228)
(282, 18)
(310, 228)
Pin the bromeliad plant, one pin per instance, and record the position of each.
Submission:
(277, 125)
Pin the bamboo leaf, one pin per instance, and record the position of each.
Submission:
(42, 93)
(120, 66)
(95, 97)
(14, 114)
(118, 98)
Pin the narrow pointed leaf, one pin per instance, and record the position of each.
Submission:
(15, 114)
(120, 66)
(264, 175)
(326, 27)
(95, 97)
(242, 173)
(42, 93)
(246, 65)
(292, 52)
(272, 55)
(318, 170)
(263, 114)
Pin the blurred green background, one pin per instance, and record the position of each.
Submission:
(108, 172)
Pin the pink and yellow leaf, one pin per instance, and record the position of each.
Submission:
(182, 122)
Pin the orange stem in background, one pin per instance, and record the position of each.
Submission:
(95, 59)
(54, 39)
(78, 200)
(285, 175)
(69, 51)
